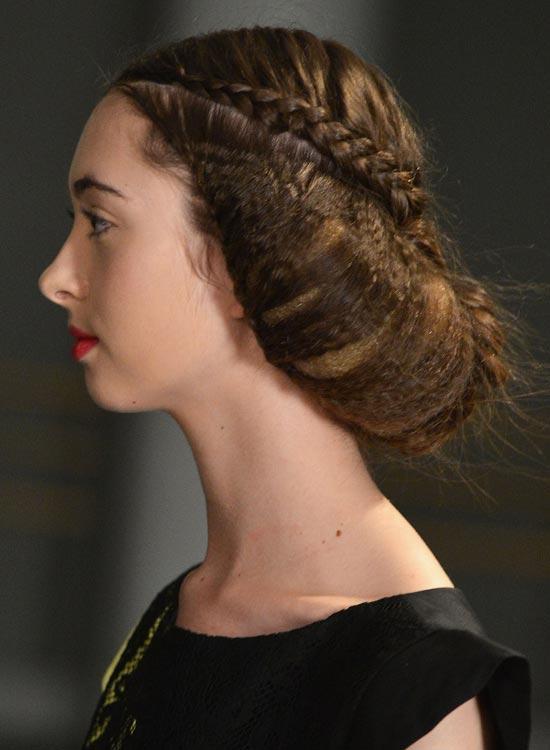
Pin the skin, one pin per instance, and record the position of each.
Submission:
(293, 514)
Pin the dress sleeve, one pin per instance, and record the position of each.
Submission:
(415, 688)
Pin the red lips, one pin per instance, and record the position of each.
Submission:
(79, 334)
(84, 342)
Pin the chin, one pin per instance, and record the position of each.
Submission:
(111, 398)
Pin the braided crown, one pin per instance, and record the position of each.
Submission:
(355, 155)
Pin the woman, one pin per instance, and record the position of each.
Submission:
(265, 265)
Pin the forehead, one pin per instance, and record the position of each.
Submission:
(109, 151)
(109, 139)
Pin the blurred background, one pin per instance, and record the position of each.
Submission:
(100, 510)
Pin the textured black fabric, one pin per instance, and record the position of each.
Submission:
(375, 676)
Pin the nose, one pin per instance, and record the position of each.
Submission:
(47, 284)
(59, 284)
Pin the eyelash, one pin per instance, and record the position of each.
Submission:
(93, 218)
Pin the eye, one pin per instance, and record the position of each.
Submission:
(94, 219)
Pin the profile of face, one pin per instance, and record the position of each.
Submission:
(124, 275)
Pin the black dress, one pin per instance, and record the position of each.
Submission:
(374, 676)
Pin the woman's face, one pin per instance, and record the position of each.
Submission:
(125, 275)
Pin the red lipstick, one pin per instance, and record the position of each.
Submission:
(84, 342)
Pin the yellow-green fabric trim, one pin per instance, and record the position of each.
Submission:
(108, 672)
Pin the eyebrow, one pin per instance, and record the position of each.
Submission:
(89, 181)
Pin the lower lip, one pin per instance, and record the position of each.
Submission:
(82, 347)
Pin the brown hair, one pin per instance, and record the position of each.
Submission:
(309, 172)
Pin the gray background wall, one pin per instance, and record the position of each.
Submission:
(98, 510)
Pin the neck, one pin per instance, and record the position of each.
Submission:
(288, 497)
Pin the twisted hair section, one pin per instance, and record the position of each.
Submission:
(306, 169)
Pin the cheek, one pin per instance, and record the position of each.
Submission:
(148, 307)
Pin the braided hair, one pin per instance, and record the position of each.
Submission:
(307, 169)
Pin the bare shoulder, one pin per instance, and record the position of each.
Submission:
(389, 558)
(400, 560)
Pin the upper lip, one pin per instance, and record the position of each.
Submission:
(79, 333)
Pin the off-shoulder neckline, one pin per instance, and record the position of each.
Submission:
(179, 631)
